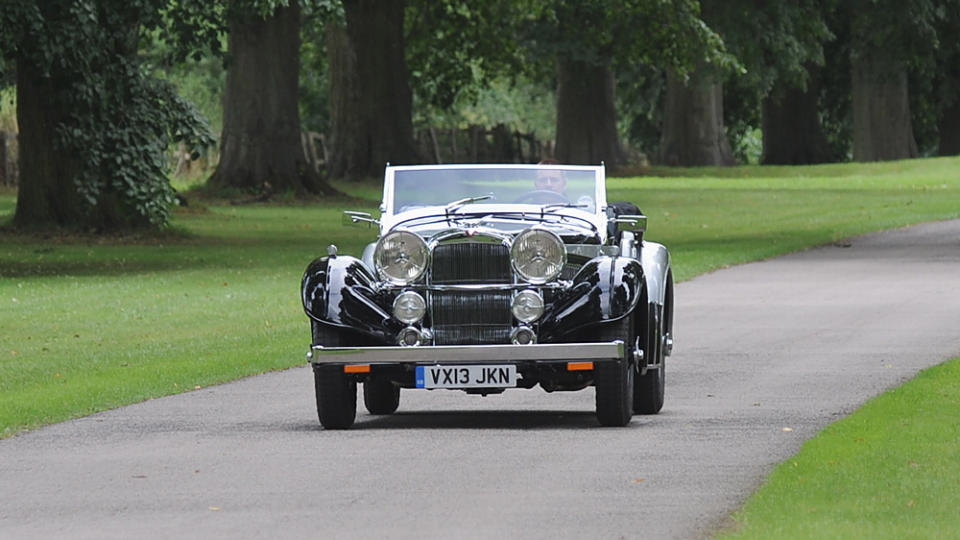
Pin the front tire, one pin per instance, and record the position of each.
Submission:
(614, 380)
(336, 397)
(336, 392)
(381, 396)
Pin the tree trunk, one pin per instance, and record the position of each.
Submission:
(693, 133)
(344, 105)
(260, 149)
(792, 133)
(371, 101)
(881, 109)
(47, 196)
(586, 114)
(949, 127)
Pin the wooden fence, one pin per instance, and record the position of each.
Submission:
(477, 144)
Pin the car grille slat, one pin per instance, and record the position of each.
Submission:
(471, 317)
(468, 263)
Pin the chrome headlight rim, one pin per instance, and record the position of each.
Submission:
(420, 248)
(517, 265)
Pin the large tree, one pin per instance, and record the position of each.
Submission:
(93, 128)
(946, 79)
(792, 131)
(782, 48)
(370, 96)
(773, 41)
(623, 33)
(693, 132)
(586, 100)
(261, 149)
(386, 55)
(888, 38)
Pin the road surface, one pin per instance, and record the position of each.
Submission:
(766, 355)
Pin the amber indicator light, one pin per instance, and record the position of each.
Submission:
(363, 368)
(579, 366)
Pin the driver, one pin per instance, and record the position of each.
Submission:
(550, 179)
(554, 181)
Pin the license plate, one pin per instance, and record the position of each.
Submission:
(466, 376)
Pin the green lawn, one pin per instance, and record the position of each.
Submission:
(890, 471)
(89, 324)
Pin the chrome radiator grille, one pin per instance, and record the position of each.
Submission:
(467, 263)
(470, 317)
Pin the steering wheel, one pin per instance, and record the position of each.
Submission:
(538, 195)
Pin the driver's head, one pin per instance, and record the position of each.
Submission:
(550, 179)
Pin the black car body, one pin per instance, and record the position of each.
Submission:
(488, 277)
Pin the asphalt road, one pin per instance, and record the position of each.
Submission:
(766, 355)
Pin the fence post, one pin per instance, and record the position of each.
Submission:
(436, 147)
(453, 139)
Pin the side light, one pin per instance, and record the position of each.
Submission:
(409, 307)
(527, 306)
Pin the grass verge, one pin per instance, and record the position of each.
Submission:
(891, 470)
(88, 324)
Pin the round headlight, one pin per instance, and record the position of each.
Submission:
(527, 306)
(400, 257)
(538, 255)
(409, 307)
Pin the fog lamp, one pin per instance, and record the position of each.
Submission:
(523, 336)
(409, 337)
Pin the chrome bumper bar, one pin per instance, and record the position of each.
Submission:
(466, 354)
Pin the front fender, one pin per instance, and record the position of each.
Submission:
(605, 289)
(656, 271)
(340, 291)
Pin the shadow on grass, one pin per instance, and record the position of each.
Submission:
(112, 261)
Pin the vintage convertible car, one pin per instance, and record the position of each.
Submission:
(488, 277)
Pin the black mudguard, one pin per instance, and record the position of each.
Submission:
(339, 291)
(605, 289)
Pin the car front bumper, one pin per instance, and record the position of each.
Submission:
(467, 354)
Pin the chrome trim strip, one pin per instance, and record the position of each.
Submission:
(472, 234)
(466, 354)
(475, 287)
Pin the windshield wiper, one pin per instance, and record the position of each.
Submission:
(457, 204)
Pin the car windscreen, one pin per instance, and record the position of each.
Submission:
(417, 188)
